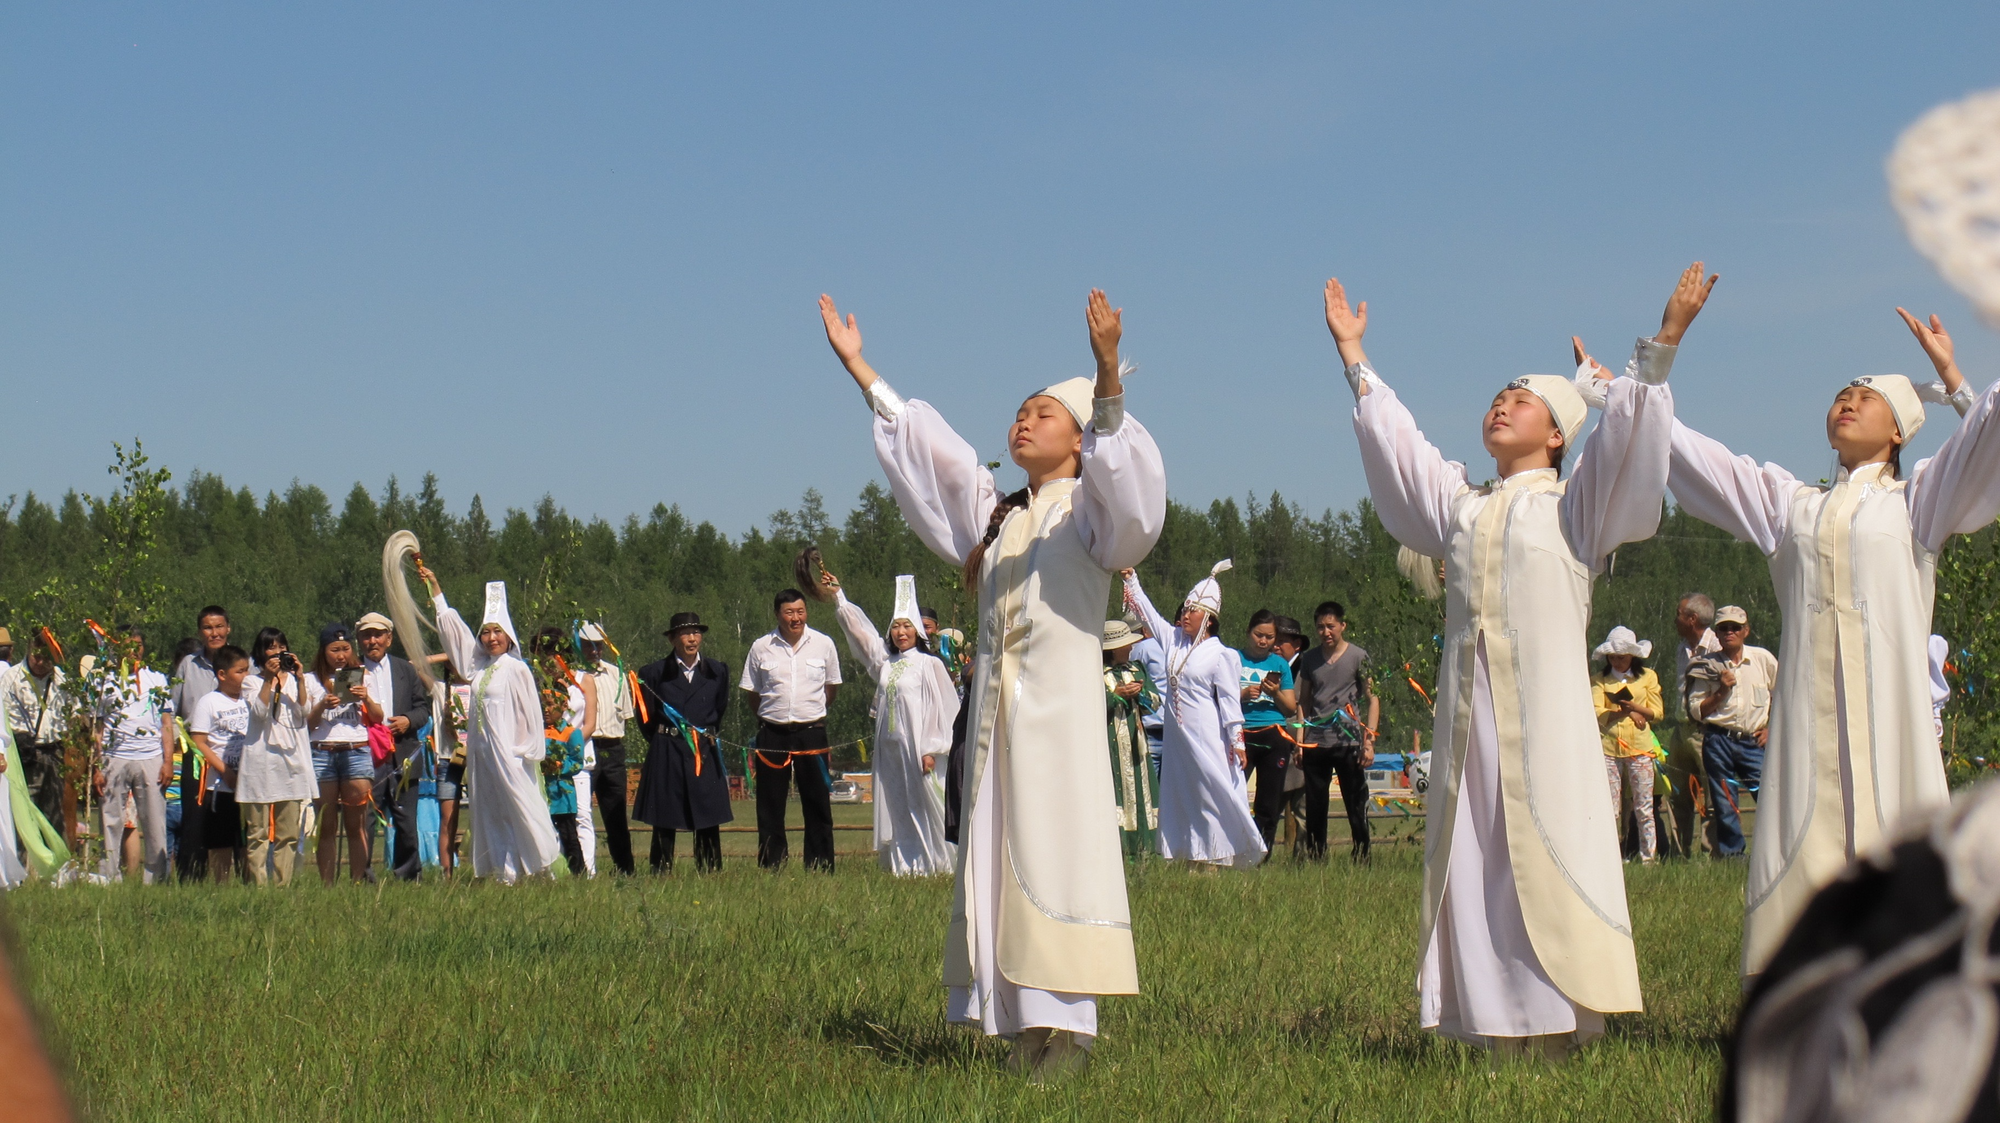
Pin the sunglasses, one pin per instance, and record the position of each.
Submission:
(1730, 627)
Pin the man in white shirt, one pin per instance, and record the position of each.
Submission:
(1681, 830)
(795, 672)
(1730, 694)
(32, 691)
(135, 725)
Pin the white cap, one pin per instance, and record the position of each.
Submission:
(496, 611)
(1078, 395)
(1901, 394)
(906, 601)
(1559, 394)
(1207, 592)
(591, 632)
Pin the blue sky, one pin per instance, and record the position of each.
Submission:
(575, 249)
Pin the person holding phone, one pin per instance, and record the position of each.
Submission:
(1627, 695)
(275, 780)
(339, 710)
(1268, 699)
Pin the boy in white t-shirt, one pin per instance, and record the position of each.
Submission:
(220, 725)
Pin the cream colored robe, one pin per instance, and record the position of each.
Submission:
(1541, 921)
(1048, 910)
(1852, 747)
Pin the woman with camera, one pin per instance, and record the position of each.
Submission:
(275, 780)
(339, 712)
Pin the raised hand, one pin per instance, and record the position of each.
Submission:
(1107, 326)
(1583, 357)
(1936, 343)
(1347, 324)
(1690, 293)
(845, 337)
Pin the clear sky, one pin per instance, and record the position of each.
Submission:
(575, 249)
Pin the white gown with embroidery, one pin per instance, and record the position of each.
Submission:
(915, 705)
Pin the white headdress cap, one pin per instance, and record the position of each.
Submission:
(1207, 592)
(1560, 395)
(1901, 394)
(1623, 641)
(906, 601)
(592, 631)
(1078, 395)
(496, 611)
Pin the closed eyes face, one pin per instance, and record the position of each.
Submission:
(1043, 436)
(1861, 427)
(1518, 423)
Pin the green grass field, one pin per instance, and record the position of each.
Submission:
(1284, 993)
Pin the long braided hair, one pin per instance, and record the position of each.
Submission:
(977, 557)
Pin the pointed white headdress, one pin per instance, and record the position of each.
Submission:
(906, 601)
(496, 611)
(1207, 592)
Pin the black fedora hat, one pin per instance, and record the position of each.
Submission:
(683, 621)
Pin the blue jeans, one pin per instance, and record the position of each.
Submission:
(173, 827)
(343, 764)
(1156, 744)
(1735, 764)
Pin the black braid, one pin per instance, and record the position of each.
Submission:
(977, 557)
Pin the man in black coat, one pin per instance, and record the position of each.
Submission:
(406, 707)
(678, 790)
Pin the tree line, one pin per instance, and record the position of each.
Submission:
(152, 553)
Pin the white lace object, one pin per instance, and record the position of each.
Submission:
(1944, 179)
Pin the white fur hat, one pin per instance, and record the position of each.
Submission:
(1566, 406)
(1901, 394)
(1623, 641)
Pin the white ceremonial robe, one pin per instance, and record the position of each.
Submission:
(13, 871)
(1525, 926)
(1852, 747)
(277, 760)
(915, 705)
(1204, 798)
(512, 834)
(1040, 921)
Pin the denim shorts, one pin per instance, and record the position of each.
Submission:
(450, 780)
(343, 764)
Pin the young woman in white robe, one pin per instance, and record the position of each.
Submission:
(1204, 798)
(1852, 746)
(512, 834)
(1040, 923)
(1527, 940)
(915, 704)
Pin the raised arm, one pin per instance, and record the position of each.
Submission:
(1410, 482)
(1166, 632)
(1121, 503)
(459, 642)
(944, 492)
(1616, 490)
(862, 638)
(1958, 490)
(1727, 491)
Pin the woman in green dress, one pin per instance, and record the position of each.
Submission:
(1128, 693)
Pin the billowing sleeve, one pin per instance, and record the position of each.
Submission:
(1409, 480)
(1121, 503)
(1958, 490)
(525, 698)
(1229, 697)
(944, 492)
(934, 739)
(1730, 492)
(862, 639)
(459, 642)
(1620, 480)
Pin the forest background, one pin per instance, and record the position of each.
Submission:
(152, 553)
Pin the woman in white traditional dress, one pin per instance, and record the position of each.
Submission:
(1852, 747)
(1527, 941)
(512, 834)
(915, 704)
(1040, 923)
(1204, 799)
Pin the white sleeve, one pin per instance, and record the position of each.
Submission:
(1165, 632)
(1616, 490)
(944, 492)
(202, 720)
(1958, 490)
(1121, 502)
(1730, 492)
(521, 693)
(862, 639)
(1409, 480)
(748, 679)
(1229, 697)
(935, 737)
(459, 642)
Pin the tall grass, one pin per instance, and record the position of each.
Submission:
(1284, 993)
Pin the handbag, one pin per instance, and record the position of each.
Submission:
(381, 739)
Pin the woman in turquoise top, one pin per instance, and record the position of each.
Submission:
(1268, 699)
